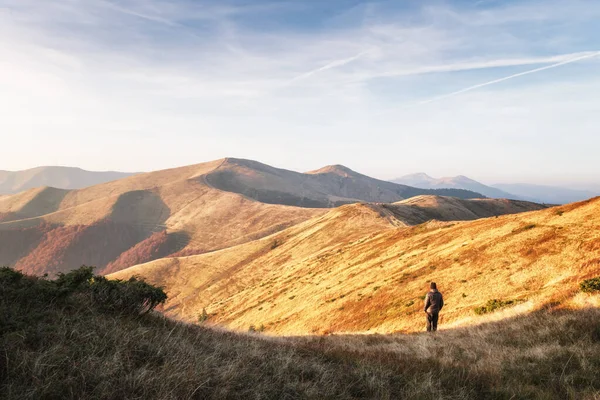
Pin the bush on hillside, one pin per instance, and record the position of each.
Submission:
(81, 288)
(493, 305)
(590, 285)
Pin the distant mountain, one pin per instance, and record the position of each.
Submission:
(424, 181)
(183, 211)
(57, 177)
(547, 194)
(329, 186)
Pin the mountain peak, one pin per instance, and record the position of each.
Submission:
(336, 169)
(420, 175)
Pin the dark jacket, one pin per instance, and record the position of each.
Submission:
(434, 301)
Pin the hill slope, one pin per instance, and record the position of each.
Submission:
(359, 268)
(58, 177)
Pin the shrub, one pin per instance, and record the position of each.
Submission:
(493, 305)
(133, 296)
(74, 280)
(203, 317)
(590, 285)
(80, 288)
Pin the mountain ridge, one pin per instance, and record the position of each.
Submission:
(186, 210)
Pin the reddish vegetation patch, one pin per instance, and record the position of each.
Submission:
(68, 247)
(159, 245)
(16, 243)
(591, 245)
(542, 245)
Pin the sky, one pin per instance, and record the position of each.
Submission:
(500, 91)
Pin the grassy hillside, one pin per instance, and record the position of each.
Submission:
(360, 269)
(75, 339)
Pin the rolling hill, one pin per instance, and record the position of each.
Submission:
(182, 211)
(58, 177)
(364, 268)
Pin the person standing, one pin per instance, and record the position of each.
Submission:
(434, 302)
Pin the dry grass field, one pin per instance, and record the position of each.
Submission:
(358, 269)
(60, 340)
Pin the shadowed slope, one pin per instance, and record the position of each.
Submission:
(353, 270)
(420, 209)
(31, 203)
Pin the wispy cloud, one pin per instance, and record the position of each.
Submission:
(264, 81)
(330, 65)
(586, 55)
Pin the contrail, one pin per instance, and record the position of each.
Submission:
(532, 71)
(333, 64)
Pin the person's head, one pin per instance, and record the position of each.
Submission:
(433, 286)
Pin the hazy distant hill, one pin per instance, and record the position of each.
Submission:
(528, 192)
(58, 177)
(547, 194)
(422, 180)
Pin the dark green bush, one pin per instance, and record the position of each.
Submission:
(81, 288)
(493, 305)
(133, 296)
(590, 285)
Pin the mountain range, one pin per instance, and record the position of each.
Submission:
(187, 210)
(535, 193)
(238, 243)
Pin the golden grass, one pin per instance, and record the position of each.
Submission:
(69, 348)
(352, 271)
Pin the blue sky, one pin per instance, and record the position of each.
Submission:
(501, 91)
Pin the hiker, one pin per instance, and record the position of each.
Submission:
(434, 302)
